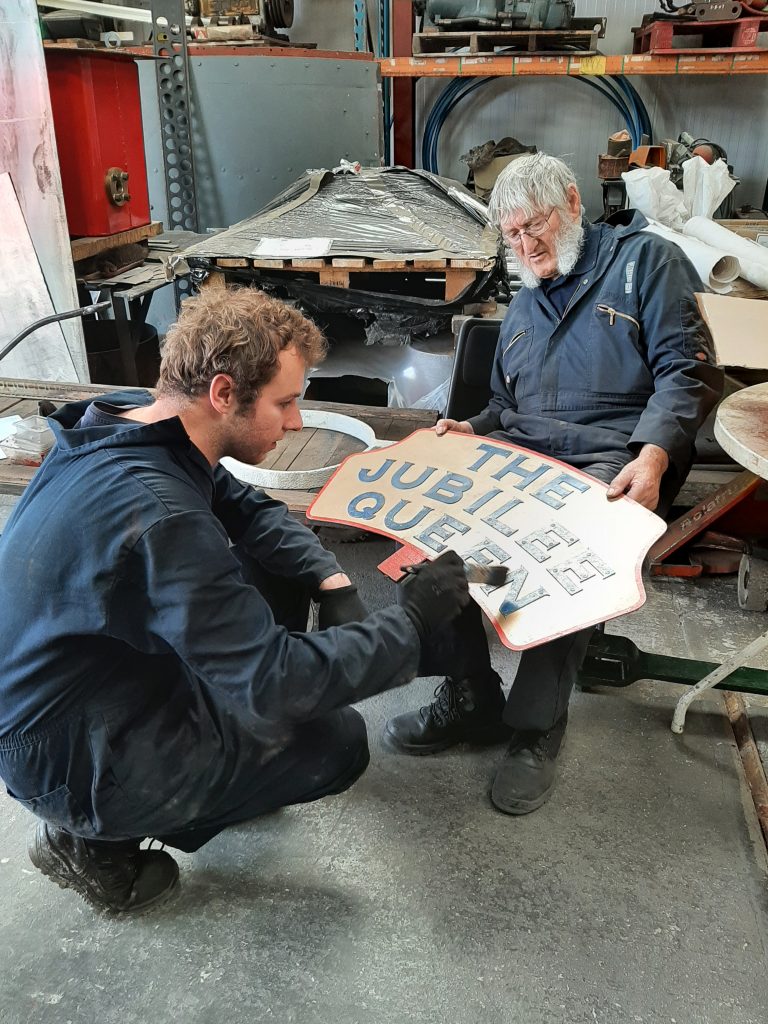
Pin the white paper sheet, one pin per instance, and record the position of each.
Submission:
(753, 258)
(293, 248)
(716, 268)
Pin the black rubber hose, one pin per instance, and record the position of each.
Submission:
(54, 318)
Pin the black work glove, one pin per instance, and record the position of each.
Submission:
(436, 593)
(339, 606)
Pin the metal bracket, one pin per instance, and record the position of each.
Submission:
(359, 14)
(169, 41)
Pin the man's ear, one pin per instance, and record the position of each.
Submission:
(574, 202)
(221, 394)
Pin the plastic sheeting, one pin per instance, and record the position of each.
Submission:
(379, 213)
(412, 372)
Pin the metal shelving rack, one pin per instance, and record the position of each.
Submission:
(404, 70)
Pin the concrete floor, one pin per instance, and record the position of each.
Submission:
(638, 894)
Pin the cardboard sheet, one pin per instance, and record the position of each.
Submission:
(739, 329)
(575, 557)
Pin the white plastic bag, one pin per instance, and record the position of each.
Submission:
(650, 190)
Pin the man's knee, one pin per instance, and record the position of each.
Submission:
(352, 747)
(340, 742)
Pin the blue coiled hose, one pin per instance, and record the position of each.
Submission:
(615, 88)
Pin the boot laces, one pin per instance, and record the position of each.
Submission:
(536, 742)
(447, 703)
(540, 746)
(116, 870)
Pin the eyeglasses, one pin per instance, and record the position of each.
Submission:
(535, 229)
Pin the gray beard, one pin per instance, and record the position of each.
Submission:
(568, 245)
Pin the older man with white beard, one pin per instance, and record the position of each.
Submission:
(603, 362)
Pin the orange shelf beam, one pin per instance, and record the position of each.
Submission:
(451, 66)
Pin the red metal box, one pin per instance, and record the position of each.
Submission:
(97, 120)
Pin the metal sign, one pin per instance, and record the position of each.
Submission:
(575, 558)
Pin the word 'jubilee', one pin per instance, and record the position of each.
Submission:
(458, 490)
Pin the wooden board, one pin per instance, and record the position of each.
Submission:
(309, 448)
(486, 43)
(741, 428)
(366, 264)
(344, 272)
(739, 329)
(24, 298)
(84, 247)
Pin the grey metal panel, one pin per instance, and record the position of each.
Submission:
(622, 15)
(259, 122)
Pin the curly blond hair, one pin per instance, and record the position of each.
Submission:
(238, 331)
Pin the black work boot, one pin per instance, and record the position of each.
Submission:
(462, 712)
(115, 879)
(526, 777)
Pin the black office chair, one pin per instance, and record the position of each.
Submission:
(470, 387)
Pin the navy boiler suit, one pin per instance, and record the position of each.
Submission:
(589, 368)
(157, 679)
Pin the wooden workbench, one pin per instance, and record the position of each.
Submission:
(299, 451)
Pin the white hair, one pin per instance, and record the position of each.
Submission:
(528, 186)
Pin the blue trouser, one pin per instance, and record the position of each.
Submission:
(546, 675)
(98, 777)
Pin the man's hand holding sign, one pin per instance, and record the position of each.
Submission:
(639, 479)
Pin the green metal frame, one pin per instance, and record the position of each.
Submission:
(616, 661)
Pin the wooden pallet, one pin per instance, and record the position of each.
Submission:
(582, 37)
(338, 272)
(256, 41)
(668, 36)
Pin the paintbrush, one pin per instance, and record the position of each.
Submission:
(487, 575)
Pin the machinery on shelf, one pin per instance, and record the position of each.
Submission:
(713, 10)
(498, 14)
(266, 17)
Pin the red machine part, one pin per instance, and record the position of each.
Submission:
(99, 137)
